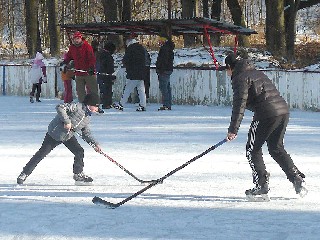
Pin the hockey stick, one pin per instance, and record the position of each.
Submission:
(115, 162)
(98, 73)
(98, 200)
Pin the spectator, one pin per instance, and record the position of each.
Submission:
(67, 75)
(38, 75)
(134, 62)
(253, 90)
(147, 76)
(70, 118)
(81, 52)
(105, 74)
(164, 69)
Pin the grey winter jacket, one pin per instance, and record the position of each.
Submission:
(253, 90)
(75, 113)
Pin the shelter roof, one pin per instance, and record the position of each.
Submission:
(195, 26)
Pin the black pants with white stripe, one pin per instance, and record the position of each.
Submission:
(48, 145)
(270, 130)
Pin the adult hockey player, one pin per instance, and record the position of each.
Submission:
(70, 118)
(253, 90)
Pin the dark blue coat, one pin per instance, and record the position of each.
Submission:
(134, 61)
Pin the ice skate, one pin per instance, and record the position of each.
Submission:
(82, 179)
(21, 178)
(117, 106)
(141, 109)
(31, 99)
(298, 182)
(299, 186)
(258, 194)
(164, 108)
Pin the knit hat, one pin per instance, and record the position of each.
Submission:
(231, 61)
(77, 35)
(39, 56)
(109, 46)
(163, 37)
(130, 41)
(91, 99)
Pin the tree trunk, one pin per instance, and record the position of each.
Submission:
(111, 13)
(290, 26)
(54, 31)
(32, 26)
(126, 10)
(188, 10)
(238, 19)
(215, 14)
(275, 29)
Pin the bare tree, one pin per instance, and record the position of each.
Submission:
(238, 19)
(54, 31)
(275, 29)
(291, 8)
(188, 11)
(33, 40)
(111, 13)
(215, 14)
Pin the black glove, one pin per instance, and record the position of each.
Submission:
(63, 67)
(91, 71)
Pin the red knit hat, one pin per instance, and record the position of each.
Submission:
(77, 35)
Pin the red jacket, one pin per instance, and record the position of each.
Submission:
(83, 57)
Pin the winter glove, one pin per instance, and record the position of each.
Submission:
(91, 71)
(97, 148)
(44, 79)
(63, 67)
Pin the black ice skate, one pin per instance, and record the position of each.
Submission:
(117, 106)
(298, 182)
(82, 179)
(21, 178)
(164, 108)
(141, 109)
(100, 111)
(299, 186)
(258, 194)
(31, 99)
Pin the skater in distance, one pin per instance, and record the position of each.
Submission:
(253, 90)
(70, 118)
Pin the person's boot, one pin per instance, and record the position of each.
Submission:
(259, 192)
(298, 181)
(38, 97)
(21, 178)
(82, 179)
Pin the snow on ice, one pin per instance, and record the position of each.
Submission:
(204, 200)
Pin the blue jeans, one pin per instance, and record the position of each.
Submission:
(165, 88)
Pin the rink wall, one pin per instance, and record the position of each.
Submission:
(194, 86)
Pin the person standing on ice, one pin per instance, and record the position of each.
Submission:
(81, 52)
(164, 69)
(70, 118)
(253, 90)
(37, 75)
(134, 61)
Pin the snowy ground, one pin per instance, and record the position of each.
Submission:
(204, 200)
